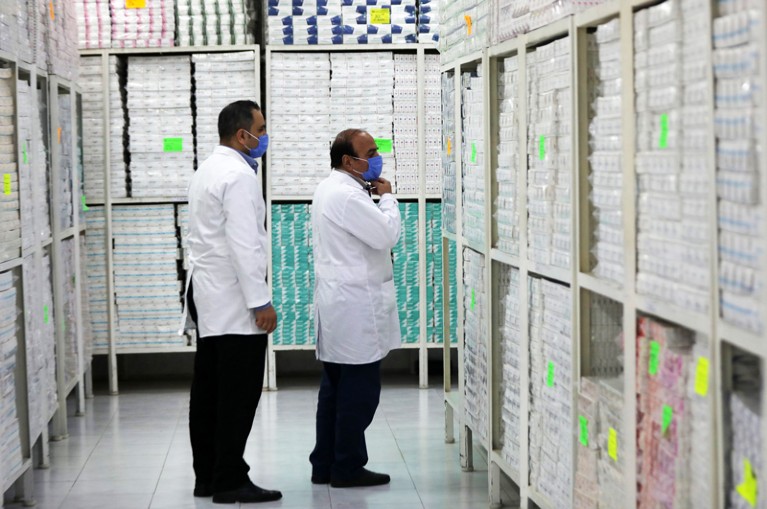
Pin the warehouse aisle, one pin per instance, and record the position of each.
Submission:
(132, 451)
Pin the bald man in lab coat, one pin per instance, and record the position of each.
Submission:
(355, 306)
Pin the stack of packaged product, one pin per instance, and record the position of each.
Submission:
(406, 124)
(94, 24)
(10, 231)
(549, 179)
(10, 438)
(448, 153)
(405, 263)
(65, 171)
(473, 156)
(160, 121)
(605, 157)
(96, 275)
(94, 152)
(299, 110)
(293, 274)
(151, 26)
(214, 22)
(85, 324)
(355, 78)
(515, 17)
(702, 428)
(211, 98)
(118, 144)
(433, 125)
(507, 173)
(147, 284)
(61, 39)
(182, 222)
(475, 349)
(510, 335)
(464, 28)
(68, 322)
(25, 21)
(428, 21)
(673, 223)
(341, 22)
(738, 124)
(551, 439)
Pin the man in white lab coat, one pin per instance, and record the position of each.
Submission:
(355, 306)
(228, 297)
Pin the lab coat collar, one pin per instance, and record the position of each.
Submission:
(365, 185)
(251, 162)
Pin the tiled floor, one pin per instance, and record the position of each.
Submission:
(132, 451)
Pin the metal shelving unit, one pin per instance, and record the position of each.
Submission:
(579, 278)
(420, 50)
(112, 350)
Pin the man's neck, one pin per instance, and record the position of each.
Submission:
(365, 185)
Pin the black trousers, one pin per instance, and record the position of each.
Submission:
(348, 399)
(226, 389)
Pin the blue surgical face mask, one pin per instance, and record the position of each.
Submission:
(375, 167)
(260, 150)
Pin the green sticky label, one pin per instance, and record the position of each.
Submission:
(473, 158)
(550, 374)
(748, 489)
(7, 183)
(584, 431)
(24, 153)
(46, 318)
(701, 377)
(173, 145)
(663, 141)
(385, 146)
(82, 201)
(612, 444)
(542, 147)
(668, 416)
(473, 299)
(654, 358)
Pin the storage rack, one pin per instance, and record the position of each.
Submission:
(722, 337)
(113, 350)
(422, 346)
(34, 444)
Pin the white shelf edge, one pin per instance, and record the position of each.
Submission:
(496, 458)
(499, 256)
(559, 28)
(330, 48)
(288, 348)
(598, 14)
(556, 273)
(473, 246)
(673, 314)
(130, 350)
(742, 338)
(26, 465)
(455, 400)
(170, 49)
(70, 386)
(602, 287)
(67, 233)
(147, 200)
(448, 235)
(11, 264)
(439, 346)
(541, 501)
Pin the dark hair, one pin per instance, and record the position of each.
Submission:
(342, 146)
(235, 116)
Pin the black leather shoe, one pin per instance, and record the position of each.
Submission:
(248, 493)
(365, 479)
(320, 479)
(203, 490)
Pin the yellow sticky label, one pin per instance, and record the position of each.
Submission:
(749, 488)
(701, 376)
(467, 18)
(7, 183)
(612, 444)
(135, 4)
(380, 17)
(59, 134)
(449, 146)
(50, 8)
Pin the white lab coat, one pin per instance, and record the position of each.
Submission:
(355, 303)
(228, 245)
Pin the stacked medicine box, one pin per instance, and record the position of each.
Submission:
(549, 182)
(510, 336)
(211, 97)
(65, 172)
(10, 231)
(739, 124)
(473, 156)
(160, 122)
(68, 322)
(361, 88)
(406, 123)
(428, 21)
(117, 143)
(433, 125)
(94, 26)
(448, 153)
(299, 110)
(152, 26)
(293, 274)
(551, 438)
(147, 284)
(10, 439)
(213, 22)
(435, 296)
(303, 22)
(94, 152)
(673, 233)
(475, 349)
(507, 173)
(96, 274)
(85, 323)
(464, 28)
(62, 39)
(605, 157)
(405, 264)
